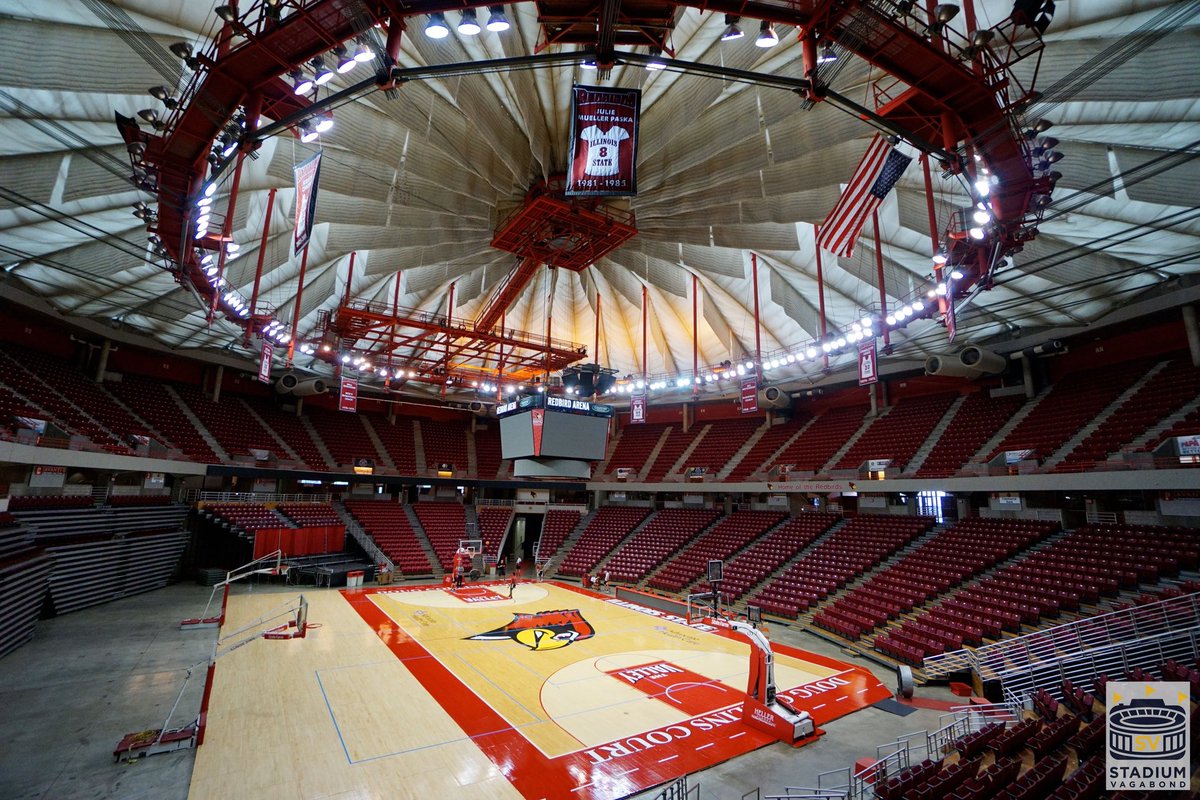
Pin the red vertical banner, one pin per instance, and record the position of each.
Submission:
(867, 366)
(604, 132)
(749, 395)
(306, 175)
(637, 409)
(537, 417)
(264, 366)
(348, 395)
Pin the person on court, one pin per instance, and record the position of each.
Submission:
(512, 584)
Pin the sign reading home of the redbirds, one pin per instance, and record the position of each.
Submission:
(604, 130)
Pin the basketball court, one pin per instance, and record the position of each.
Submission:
(429, 692)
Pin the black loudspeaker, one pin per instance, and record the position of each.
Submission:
(904, 681)
(716, 570)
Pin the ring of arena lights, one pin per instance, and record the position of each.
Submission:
(982, 132)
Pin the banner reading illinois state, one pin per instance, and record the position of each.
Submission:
(604, 131)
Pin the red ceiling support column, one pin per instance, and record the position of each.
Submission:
(500, 363)
(757, 330)
(262, 253)
(887, 339)
(695, 335)
(645, 332)
(934, 237)
(226, 232)
(449, 320)
(820, 288)
(349, 279)
(296, 310)
(596, 352)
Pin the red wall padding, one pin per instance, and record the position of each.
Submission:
(300, 541)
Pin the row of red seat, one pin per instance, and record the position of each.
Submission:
(388, 524)
(668, 531)
(608, 526)
(725, 538)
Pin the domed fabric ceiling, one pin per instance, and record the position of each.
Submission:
(416, 181)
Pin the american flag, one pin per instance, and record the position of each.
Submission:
(874, 177)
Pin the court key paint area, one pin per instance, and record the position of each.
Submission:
(556, 692)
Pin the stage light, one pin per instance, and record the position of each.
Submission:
(307, 132)
(841, 342)
(981, 216)
(345, 61)
(917, 307)
(324, 122)
(941, 290)
(944, 12)
(323, 73)
(767, 37)
(497, 22)
(468, 23)
(227, 13)
(732, 31)
(362, 51)
(301, 83)
(984, 186)
(655, 63)
(976, 233)
(890, 319)
(956, 275)
(163, 95)
(436, 27)
(827, 55)
(811, 353)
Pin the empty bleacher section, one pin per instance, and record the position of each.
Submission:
(73, 402)
(725, 538)
(237, 432)
(1165, 392)
(634, 446)
(898, 434)
(750, 567)
(155, 403)
(309, 514)
(292, 528)
(946, 560)
(824, 437)
(289, 428)
(667, 532)
(487, 453)
(556, 527)
(1073, 401)
(677, 442)
(399, 441)
(445, 525)
(771, 441)
(849, 551)
(445, 443)
(24, 577)
(388, 524)
(978, 419)
(604, 532)
(344, 436)
(493, 525)
(719, 441)
(101, 553)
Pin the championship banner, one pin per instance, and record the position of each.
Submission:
(306, 176)
(537, 417)
(604, 131)
(749, 395)
(867, 374)
(637, 409)
(264, 366)
(348, 395)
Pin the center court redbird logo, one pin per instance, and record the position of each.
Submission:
(542, 630)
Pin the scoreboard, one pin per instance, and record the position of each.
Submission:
(553, 437)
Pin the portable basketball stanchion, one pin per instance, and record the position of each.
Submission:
(167, 739)
(464, 557)
(762, 709)
(270, 564)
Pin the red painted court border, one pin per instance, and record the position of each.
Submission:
(616, 769)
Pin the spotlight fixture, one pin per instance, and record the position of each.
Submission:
(323, 73)
(324, 122)
(468, 23)
(767, 37)
(183, 51)
(227, 13)
(301, 83)
(588, 64)
(362, 51)
(345, 61)
(732, 31)
(827, 55)
(982, 38)
(151, 116)
(497, 22)
(655, 63)
(940, 257)
(436, 27)
(956, 275)
(945, 12)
